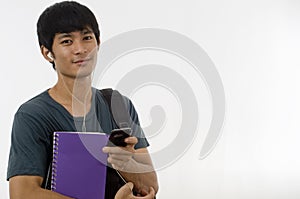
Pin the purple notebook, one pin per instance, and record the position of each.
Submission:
(79, 165)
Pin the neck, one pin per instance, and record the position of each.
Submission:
(74, 94)
(78, 89)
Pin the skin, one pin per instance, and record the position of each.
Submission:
(75, 55)
(134, 165)
(125, 192)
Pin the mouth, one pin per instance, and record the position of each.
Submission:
(81, 61)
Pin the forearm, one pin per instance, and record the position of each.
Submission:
(140, 171)
(41, 193)
(134, 165)
(142, 181)
(28, 187)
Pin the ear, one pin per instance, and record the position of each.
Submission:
(47, 54)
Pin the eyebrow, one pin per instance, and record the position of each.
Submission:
(86, 31)
(64, 35)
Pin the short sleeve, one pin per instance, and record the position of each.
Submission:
(30, 147)
(137, 131)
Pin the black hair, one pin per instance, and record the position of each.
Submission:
(65, 17)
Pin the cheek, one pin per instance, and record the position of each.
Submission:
(62, 56)
(92, 51)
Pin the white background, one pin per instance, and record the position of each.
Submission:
(254, 45)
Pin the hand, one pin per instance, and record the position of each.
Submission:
(125, 192)
(121, 158)
(134, 165)
(125, 158)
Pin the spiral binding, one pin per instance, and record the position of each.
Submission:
(54, 161)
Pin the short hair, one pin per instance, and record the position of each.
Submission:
(65, 17)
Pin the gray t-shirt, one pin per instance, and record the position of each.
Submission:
(37, 119)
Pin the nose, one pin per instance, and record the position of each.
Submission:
(79, 47)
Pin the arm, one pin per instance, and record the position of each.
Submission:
(29, 187)
(29, 157)
(134, 165)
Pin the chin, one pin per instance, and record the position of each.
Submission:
(83, 74)
(84, 71)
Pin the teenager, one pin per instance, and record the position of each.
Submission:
(69, 39)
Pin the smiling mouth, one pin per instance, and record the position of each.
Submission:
(82, 61)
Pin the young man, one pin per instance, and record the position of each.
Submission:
(68, 35)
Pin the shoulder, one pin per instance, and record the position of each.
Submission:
(114, 98)
(109, 93)
(36, 105)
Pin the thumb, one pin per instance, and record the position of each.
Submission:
(124, 191)
(130, 184)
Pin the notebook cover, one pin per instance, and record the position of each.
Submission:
(79, 165)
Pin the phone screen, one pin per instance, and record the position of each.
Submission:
(118, 136)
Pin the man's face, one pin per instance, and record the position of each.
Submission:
(75, 53)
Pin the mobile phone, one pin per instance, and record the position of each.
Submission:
(118, 136)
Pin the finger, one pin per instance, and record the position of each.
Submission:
(125, 191)
(120, 157)
(116, 150)
(150, 195)
(117, 164)
(152, 191)
(131, 140)
(144, 191)
(130, 184)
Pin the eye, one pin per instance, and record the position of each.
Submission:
(66, 41)
(89, 37)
